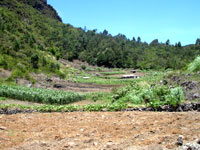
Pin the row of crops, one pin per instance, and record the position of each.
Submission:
(39, 95)
(65, 108)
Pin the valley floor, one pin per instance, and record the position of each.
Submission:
(97, 130)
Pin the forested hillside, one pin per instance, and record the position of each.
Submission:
(31, 30)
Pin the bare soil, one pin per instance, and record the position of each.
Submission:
(14, 101)
(97, 130)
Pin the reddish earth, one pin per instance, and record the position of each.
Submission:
(97, 130)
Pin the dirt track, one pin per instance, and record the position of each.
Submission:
(97, 130)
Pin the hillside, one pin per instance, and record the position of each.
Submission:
(33, 38)
(65, 88)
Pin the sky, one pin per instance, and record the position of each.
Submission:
(176, 20)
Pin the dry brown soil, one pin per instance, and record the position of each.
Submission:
(97, 130)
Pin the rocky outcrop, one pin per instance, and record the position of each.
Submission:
(44, 8)
(40, 5)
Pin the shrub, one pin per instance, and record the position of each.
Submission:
(152, 96)
(83, 67)
(34, 61)
(195, 65)
(3, 63)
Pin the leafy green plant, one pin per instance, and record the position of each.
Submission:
(3, 98)
(195, 65)
(39, 95)
(153, 96)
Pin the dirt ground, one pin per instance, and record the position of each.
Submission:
(97, 130)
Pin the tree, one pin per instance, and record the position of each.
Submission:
(138, 40)
(167, 42)
(179, 44)
(85, 29)
(34, 61)
(105, 32)
(154, 42)
(16, 45)
(197, 42)
(134, 40)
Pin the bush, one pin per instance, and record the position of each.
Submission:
(54, 67)
(195, 65)
(151, 96)
(3, 63)
(34, 61)
(83, 67)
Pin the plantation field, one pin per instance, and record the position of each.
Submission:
(39, 95)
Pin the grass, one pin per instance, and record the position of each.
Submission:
(3, 98)
(104, 80)
(113, 73)
(66, 108)
(100, 96)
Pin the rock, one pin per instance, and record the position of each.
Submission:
(198, 141)
(97, 74)
(180, 141)
(95, 144)
(49, 80)
(190, 146)
(59, 86)
(109, 144)
(164, 82)
(72, 144)
(130, 76)
(86, 77)
(81, 130)
(105, 110)
(196, 95)
(3, 128)
(189, 85)
(179, 109)
(187, 107)
(133, 71)
(147, 109)
(29, 85)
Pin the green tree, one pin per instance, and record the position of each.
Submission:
(35, 61)
(105, 32)
(138, 40)
(197, 42)
(167, 42)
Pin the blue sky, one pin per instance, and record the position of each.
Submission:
(177, 20)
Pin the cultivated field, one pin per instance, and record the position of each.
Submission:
(97, 130)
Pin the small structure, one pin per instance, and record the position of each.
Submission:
(130, 76)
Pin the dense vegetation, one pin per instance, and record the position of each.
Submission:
(32, 37)
(39, 95)
(151, 95)
(195, 65)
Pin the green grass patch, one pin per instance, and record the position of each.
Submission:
(113, 73)
(66, 108)
(100, 96)
(104, 80)
(39, 95)
(3, 98)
